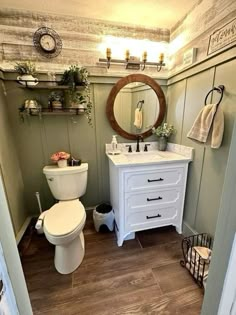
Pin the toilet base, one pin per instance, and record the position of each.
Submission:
(68, 257)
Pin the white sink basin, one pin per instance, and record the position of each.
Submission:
(142, 157)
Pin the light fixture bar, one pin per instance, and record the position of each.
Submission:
(140, 63)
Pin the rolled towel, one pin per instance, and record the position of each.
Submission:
(198, 262)
(204, 252)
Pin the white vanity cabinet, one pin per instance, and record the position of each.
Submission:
(147, 195)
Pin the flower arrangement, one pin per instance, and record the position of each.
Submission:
(60, 156)
(164, 131)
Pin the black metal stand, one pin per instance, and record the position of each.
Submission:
(192, 261)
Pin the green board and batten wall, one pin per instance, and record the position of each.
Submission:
(36, 139)
(26, 147)
(10, 166)
(206, 173)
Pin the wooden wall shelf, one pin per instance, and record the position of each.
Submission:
(53, 112)
(48, 85)
(51, 87)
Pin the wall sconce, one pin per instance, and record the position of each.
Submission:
(133, 62)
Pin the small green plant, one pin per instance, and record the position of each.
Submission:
(56, 96)
(27, 67)
(164, 130)
(76, 76)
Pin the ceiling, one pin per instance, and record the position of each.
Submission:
(149, 13)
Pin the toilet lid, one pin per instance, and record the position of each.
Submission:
(64, 217)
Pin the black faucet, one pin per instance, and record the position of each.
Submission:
(139, 138)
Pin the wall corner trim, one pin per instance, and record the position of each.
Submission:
(188, 230)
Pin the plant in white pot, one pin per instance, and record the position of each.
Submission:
(163, 132)
(27, 71)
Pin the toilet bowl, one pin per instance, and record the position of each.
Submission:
(63, 223)
(63, 227)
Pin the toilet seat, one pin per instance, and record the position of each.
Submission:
(64, 217)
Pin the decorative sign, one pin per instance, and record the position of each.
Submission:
(189, 57)
(222, 37)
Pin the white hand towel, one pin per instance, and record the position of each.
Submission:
(218, 129)
(202, 123)
(138, 118)
(201, 127)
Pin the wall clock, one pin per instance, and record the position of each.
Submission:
(47, 42)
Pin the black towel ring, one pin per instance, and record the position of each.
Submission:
(141, 105)
(219, 89)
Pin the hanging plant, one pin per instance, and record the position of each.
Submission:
(73, 77)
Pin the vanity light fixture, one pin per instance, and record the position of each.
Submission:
(133, 62)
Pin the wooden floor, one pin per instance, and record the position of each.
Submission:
(142, 277)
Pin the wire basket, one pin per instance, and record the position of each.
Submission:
(196, 264)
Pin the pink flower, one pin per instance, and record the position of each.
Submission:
(60, 156)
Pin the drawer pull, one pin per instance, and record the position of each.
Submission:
(155, 180)
(154, 216)
(152, 199)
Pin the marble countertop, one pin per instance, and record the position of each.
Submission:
(174, 153)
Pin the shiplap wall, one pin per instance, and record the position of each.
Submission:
(80, 36)
(195, 29)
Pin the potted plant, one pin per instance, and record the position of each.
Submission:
(27, 71)
(61, 158)
(73, 77)
(163, 132)
(55, 99)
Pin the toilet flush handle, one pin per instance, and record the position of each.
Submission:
(51, 179)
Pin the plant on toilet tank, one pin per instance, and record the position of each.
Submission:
(61, 158)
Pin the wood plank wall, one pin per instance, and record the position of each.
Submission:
(195, 29)
(80, 37)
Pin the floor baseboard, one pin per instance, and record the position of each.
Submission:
(188, 230)
(24, 227)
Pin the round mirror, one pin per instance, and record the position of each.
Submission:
(135, 104)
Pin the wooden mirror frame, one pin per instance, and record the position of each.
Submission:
(111, 101)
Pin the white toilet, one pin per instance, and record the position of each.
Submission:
(63, 223)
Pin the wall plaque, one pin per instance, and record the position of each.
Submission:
(222, 37)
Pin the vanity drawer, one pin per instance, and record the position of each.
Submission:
(150, 199)
(150, 180)
(151, 218)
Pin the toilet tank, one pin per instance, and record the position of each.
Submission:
(67, 183)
